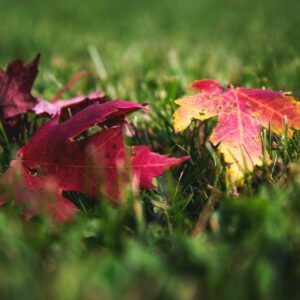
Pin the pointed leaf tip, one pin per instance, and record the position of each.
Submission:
(207, 86)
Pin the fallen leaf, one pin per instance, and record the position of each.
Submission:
(65, 154)
(15, 89)
(241, 112)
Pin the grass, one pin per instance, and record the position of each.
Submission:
(149, 52)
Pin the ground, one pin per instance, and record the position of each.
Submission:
(149, 51)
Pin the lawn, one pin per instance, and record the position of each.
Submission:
(248, 244)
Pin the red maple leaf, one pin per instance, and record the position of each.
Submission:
(15, 89)
(89, 164)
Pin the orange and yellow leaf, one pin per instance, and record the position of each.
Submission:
(241, 112)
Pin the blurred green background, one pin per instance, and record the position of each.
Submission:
(149, 51)
(229, 40)
(68, 27)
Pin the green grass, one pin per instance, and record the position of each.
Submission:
(148, 51)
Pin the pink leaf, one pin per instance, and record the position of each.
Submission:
(63, 108)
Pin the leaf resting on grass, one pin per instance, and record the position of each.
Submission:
(241, 112)
(71, 160)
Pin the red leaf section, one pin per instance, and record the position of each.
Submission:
(73, 161)
(147, 164)
(15, 87)
(35, 194)
(210, 86)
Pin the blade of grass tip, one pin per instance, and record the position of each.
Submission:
(214, 155)
(206, 212)
(285, 139)
(101, 70)
(297, 142)
(179, 179)
(168, 220)
(4, 137)
(98, 63)
(53, 78)
(264, 141)
(274, 164)
(270, 140)
(186, 152)
(32, 125)
(69, 112)
(294, 144)
(81, 203)
(217, 162)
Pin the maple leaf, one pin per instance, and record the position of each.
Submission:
(241, 112)
(15, 87)
(91, 164)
